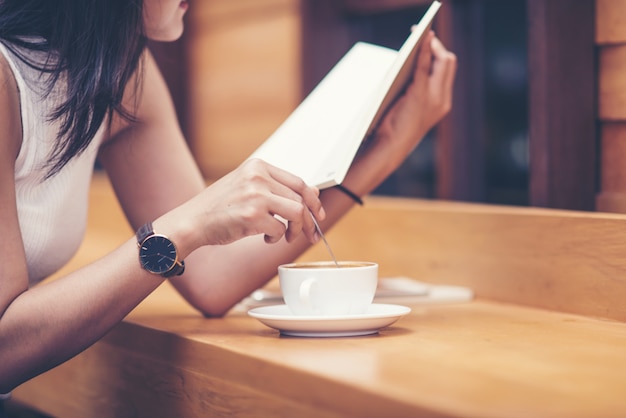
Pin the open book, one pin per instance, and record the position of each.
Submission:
(321, 137)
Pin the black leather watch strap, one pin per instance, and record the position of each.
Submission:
(177, 270)
(144, 232)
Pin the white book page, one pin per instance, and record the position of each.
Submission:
(316, 131)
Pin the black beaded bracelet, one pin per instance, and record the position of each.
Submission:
(349, 193)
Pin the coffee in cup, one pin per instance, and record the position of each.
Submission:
(323, 289)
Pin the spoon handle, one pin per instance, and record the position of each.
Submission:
(319, 231)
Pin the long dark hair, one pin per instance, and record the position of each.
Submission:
(95, 44)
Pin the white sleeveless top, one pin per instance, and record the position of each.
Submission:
(52, 213)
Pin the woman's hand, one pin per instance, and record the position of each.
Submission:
(250, 200)
(427, 100)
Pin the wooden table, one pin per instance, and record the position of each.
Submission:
(476, 359)
(544, 337)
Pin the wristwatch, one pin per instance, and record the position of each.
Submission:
(157, 253)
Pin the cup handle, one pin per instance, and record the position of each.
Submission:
(305, 291)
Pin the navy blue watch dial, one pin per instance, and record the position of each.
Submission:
(157, 254)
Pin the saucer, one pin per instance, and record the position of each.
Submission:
(378, 316)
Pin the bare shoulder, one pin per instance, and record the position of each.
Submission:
(10, 120)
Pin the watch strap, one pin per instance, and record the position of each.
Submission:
(144, 232)
(176, 270)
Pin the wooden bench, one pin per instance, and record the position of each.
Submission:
(555, 259)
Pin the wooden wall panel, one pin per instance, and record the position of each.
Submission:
(461, 136)
(612, 82)
(611, 21)
(562, 94)
(613, 156)
(244, 77)
(611, 45)
(612, 196)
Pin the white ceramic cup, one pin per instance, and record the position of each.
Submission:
(323, 289)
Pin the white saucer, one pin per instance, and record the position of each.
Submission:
(377, 316)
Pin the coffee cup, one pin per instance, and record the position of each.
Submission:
(323, 289)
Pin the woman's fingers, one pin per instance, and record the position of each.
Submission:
(274, 231)
(294, 188)
(424, 60)
(260, 198)
(444, 69)
(296, 191)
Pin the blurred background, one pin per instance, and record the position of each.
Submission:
(243, 66)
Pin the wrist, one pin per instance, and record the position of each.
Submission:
(371, 167)
(349, 193)
(390, 151)
(179, 231)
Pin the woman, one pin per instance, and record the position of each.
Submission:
(76, 83)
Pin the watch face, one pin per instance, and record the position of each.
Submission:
(157, 254)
